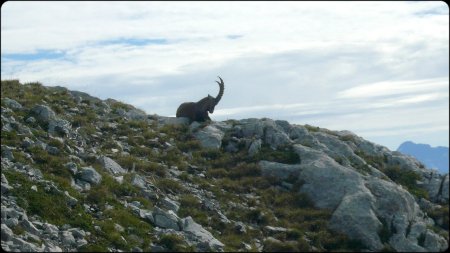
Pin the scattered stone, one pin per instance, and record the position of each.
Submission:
(52, 150)
(73, 168)
(136, 114)
(11, 103)
(7, 153)
(136, 249)
(274, 230)
(49, 247)
(246, 246)
(170, 204)
(254, 147)
(166, 219)
(59, 127)
(67, 238)
(81, 243)
(194, 231)
(138, 181)
(12, 222)
(27, 142)
(90, 175)
(6, 233)
(30, 120)
(111, 166)
(29, 227)
(119, 179)
(240, 227)
(70, 200)
(118, 228)
(5, 187)
(43, 113)
(210, 137)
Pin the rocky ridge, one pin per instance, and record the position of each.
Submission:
(128, 181)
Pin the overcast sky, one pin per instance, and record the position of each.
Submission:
(378, 69)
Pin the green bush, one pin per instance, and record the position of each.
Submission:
(169, 185)
(11, 139)
(285, 155)
(189, 145)
(49, 205)
(407, 178)
(49, 163)
(174, 243)
(278, 246)
(312, 128)
(441, 215)
(217, 173)
(245, 170)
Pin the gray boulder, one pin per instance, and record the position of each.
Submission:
(59, 126)
(165, 219)
(12, 222)
(361, 204)
(435, 243)
(274, 230)
(5, 187)
(29, 227)
(6, 233)
(139, 181)
(11, 103)
(203, 237)
(279, 170)
(274, 135)
(254, 147)
(71, 201)
(170, 204)
(111, 166)
(72, 167)
(43, 113)
(51, 230)
(252, 128)
(210, 137)
(436, 185)
(67, 238)
(90, 175)
(444, 193)
(240, 227)
(24, 246)
(267, 130)
(136, 114)
(50, 247)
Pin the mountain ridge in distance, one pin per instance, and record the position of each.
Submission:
(431, 157)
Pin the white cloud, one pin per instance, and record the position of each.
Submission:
(386, 88)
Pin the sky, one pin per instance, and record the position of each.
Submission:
(377, 69)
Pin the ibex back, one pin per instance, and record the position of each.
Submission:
(198, 111)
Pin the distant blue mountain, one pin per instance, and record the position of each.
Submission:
(432, 157)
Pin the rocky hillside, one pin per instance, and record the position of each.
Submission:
(84, 174)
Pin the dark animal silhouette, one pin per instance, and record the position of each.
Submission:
(198, 111)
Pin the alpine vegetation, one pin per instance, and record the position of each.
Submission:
(84, 174)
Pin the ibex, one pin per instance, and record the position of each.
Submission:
(198, 111)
